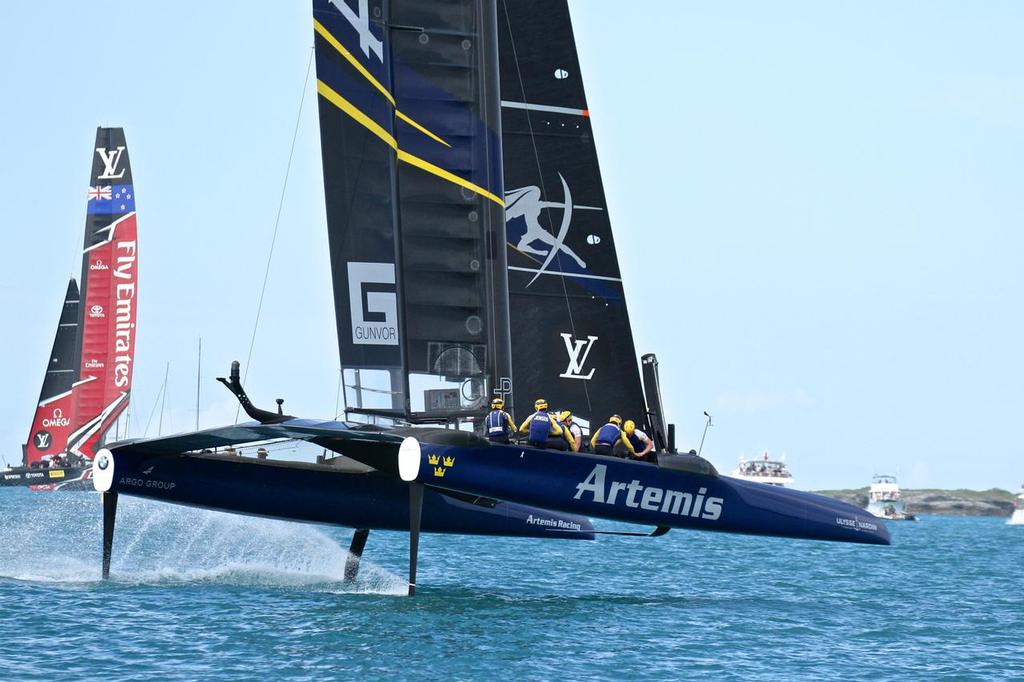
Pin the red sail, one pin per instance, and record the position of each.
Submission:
(109, 296)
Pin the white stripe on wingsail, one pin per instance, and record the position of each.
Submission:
(54, 398)
(110, 236)
(85, 432)
(543, 107)
(566, 274)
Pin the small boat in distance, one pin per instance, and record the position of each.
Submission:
(1017, 518)
(885, 500)
(764, 470)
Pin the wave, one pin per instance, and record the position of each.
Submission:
(55, 538)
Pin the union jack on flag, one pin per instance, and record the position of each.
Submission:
(99, 192)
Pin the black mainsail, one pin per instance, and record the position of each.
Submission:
(572, 343)
(410, 138)
(52, 421)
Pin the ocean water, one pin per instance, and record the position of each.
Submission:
(200, 595)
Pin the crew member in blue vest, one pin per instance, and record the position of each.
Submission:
(603, 442)
(641, 442)
(498, 424)
(543, 429)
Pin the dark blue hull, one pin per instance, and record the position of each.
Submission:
(323, 494)
(665, 494)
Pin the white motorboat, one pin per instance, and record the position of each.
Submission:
(885, 500)
(764, 470)
(1017, 518)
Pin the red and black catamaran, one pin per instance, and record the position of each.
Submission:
(88, 378)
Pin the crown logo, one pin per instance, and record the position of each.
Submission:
(439, 471)
(449, 461)
(433, 460)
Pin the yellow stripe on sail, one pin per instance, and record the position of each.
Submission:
(447, 175)
(322, 30)
(319, 28)
(350, 109)
(337, 100)
(420, 128)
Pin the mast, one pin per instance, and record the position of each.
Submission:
(51, 423)
(109, 295)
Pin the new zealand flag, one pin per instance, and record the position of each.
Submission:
(111, 199)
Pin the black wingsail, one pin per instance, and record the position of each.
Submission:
(410, 138)
(52, 420)
(572, 342)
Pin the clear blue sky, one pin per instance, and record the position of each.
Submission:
(819, 208)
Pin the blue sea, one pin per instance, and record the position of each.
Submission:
(200, 595)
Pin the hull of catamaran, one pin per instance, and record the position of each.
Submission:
(675, 493)
(321, 493)
(53, 478)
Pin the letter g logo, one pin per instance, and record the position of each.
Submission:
(373, 303)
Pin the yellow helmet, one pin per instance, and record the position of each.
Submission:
(497, 404)
(615, 419)
(629, 427)
(565, 415)
(540, 404)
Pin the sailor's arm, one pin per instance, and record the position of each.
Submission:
(526, 424)
(593, 441)
(629, 446)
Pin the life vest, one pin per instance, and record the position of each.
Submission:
(636, 442)
(540, 427)
(608, 434)
(495, 423)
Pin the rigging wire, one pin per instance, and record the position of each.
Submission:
(277, 223)
(155, 403)
(543, 188)
(160, 427)
(337, 398)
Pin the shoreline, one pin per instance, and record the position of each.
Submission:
(937, 501)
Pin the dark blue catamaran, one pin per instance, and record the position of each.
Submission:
(464, 200)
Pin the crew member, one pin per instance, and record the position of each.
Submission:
(498, 424)
(642, 444)
(608, 436)
(575, 432)
(543, 430)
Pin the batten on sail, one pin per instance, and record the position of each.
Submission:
(410, 138)
(573, 343)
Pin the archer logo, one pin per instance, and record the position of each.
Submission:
(110, 161)
(535, 240)
(578, 351)
(373, 304)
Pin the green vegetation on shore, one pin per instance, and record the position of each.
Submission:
(959, 502)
